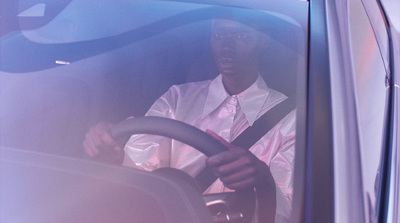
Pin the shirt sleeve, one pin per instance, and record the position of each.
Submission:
(282, 167)
(143, 151)
(277, 149)
(284, 194)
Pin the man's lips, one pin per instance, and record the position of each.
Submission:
(226, 61)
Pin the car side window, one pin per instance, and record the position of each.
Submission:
(372, 94)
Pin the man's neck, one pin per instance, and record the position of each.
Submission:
(235, 84)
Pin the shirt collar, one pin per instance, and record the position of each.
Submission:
(251, 100)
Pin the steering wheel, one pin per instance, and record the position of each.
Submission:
(242, 202)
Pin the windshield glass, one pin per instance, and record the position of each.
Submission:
(66, 67)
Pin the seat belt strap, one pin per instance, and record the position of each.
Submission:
(251, 135)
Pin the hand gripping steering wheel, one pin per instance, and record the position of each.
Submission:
(202, 142)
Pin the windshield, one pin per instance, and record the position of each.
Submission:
(67, 66)
(119, 59)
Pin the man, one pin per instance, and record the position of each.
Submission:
(223, 107)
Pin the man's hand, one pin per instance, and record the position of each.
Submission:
(99, 145)
(238, 168)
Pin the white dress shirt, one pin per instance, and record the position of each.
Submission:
(207, 105)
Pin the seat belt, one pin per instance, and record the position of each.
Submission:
(251, 135)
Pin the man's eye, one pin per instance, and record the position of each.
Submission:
(218, 35)
(241, 36)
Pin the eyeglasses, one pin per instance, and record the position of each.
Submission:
(239, 35)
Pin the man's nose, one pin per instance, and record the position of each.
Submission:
(228, 42)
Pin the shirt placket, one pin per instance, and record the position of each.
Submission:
(230, 111)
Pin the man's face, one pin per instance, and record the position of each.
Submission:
(236, 46)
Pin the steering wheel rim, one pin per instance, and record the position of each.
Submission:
(174, 129)
(189, 135)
